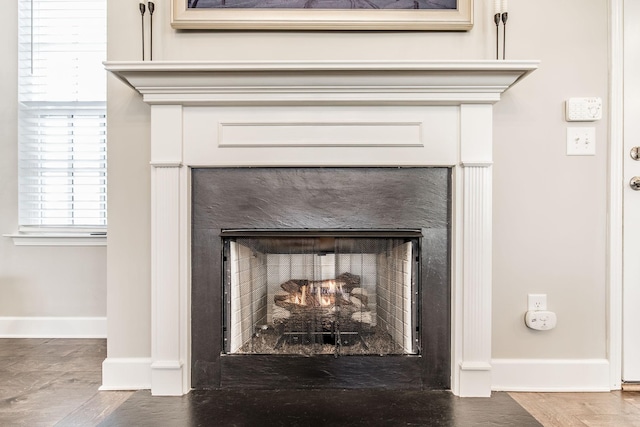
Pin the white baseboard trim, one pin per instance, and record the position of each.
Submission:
(53, 327)
(550, 375)
(126, 373)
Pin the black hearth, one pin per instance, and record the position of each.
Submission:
(321, 277)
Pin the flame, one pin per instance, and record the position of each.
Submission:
(325, 300)
(326, 292)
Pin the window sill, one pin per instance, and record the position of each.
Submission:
(58, 239)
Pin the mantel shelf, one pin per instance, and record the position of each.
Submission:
(320, 82)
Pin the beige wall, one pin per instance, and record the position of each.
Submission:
(549, 218)
(549, 226)
(550, 209)
(37, 281)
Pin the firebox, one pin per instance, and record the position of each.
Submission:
(321, 277)
(312, 292)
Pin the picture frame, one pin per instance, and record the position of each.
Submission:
(251, 16)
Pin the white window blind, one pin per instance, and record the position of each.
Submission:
(62, 113)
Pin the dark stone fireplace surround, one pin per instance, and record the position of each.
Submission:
(321, 198)
(306, 113)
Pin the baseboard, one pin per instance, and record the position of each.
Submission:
(53, 327)
(550, 375)
(126, 373)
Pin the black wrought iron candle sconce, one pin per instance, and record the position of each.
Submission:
(501, 15)
(143, 8)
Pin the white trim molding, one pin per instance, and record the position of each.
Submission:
(53, 327)
(126, 373)
(448, 104)
(58, 239)
(615, 202)
(320, 82)
(475, 367)
(551, 375)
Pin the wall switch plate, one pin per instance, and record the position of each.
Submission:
(581, 141)
(536, 302)
(583, 109)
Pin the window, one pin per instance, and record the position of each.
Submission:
(62, 115)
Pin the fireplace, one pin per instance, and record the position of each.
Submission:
(321, 269)
(320, 292)
(249, 116)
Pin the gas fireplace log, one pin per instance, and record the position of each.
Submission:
(290, 306)
(350, 281)
(364, 299)
(316, 310)
(345, 281)
(362, 317)
(300, 317)
(293, 286)
(314, 295)
(305, 301)
(281, 297)
(326, 304)
(299, 299)
(280, 314)
(356, 302)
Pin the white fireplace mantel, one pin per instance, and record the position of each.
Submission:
(320, 113)
(321, 82)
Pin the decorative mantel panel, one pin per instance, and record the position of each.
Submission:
(312, 113)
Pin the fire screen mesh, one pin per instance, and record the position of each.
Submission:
(321, 295)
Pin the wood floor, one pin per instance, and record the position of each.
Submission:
(54, 382)
(47, 382)
(614, 409)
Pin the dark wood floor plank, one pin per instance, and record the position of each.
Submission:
(96, 409)
(48, 382)
(364, 407)
(14, 384)
(43, 380)
(582, 409)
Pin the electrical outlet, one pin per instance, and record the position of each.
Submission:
(536, 302)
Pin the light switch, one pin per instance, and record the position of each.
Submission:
(581, 141)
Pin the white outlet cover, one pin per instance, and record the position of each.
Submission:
(581, 141)
(536, 302)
